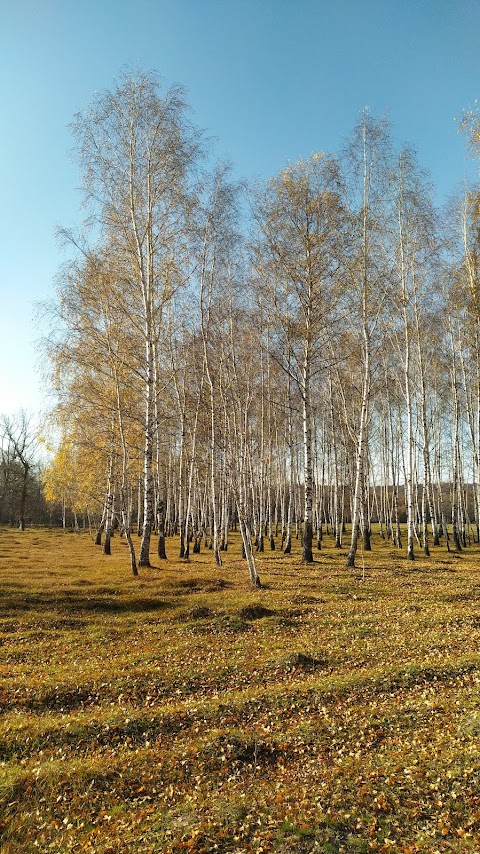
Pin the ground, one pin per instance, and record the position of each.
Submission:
(332, 711)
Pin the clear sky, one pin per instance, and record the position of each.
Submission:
(272, 80)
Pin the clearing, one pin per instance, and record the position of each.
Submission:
(332, 711)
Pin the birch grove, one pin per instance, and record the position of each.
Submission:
(298, 361)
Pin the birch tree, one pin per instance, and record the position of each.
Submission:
(137, 152)
(415, 252)
(300, 219)
(367, 163)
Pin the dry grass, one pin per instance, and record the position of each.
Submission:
(183, 711)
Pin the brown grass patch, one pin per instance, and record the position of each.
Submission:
(331, 711)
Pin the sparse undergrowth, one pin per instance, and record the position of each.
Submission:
(331, 711)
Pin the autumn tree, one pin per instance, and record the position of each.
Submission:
(95, 366)
(217, 241)
(300, 220)
(137, 153)
(413, 284)
(367, 168)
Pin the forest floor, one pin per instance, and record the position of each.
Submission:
(331, 711)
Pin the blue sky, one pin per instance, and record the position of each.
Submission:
(271, 80)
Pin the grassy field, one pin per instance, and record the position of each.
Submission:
(331, 711)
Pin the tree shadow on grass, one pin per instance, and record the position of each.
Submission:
(17, 602)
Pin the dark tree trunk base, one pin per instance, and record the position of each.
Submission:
(161, 547)
(307, 550)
